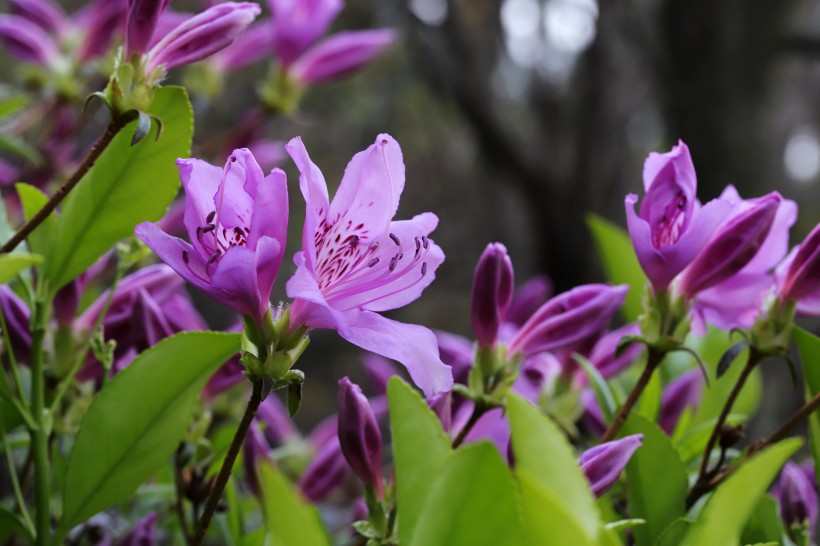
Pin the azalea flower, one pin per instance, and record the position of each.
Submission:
(237, 224)
(356, 261)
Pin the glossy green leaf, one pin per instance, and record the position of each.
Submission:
(126, 186)
(603, 393)
(548, 519)
(672, 535)
(472, 503)
(693, 444)
(729, 508)
(420, 450)
(764, 523)
(12, 264)
(711, 347)
(658, 501)
(809, 347)
(33, 200)
(289, 519)
(542, 451)
(137, 421)
(619, 261)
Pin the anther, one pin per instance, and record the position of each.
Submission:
(373, 262)
(424, 269)
(214, 257)
(393, 263)
(424, 241)
(418, 246)
(395, 239)
(185, 257)
(208, 229)
(210, 217)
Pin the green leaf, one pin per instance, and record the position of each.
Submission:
(542, 452)
(808, 345)
(729, 508)
(649, 404)
(673, 534)
(548, 518)
(712, 347)
(693, 444)
(764, 524)
(137, 421)
(472, 503)
(126, 186)
(11, 105)
(12, 264)
(33, 200)
(420, 450)
(658, 501)
(603, 394)
(11, 524)
(619, 261)
(289, 519)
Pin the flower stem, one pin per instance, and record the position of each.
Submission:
(18, 491)
(653, 360)
(179, 504)
(39, 435)
(479, 410)
(227, 465)
(111, 131)
(793, 421)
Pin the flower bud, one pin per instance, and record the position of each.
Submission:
(797, 497)
(603, 356)
(44, 13)
(684, 391)
(378, 370)
(143, 534)
(279, 428)
(325, 473)
(603, 464)
(17, 316)
(297, 24)
(202, 35)
(143, 16)
(492, 293)
(359, 435)
(528, 298)
(733, 245)
(340, 55)
(27, 42)
(103, 19)
(802, 278)
(67, 301)
(569, 318)
(255, 448)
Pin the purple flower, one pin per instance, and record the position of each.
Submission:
(325, 472)
(202, 35)
(671, 227)
(732, 246)
(603, 463)
(359, 435)
(797, 496)
(355, 261)
(297, 24)
(143, 16)
(17, 317)
(102, 20)
(569, 318)
(603, 356)
(378, 371)
(143, 534)
(27, 41)
(492, 293)
(237, 223)
(44, 13)
(252, 46)
(527, 298)
(681, 393)
(801, 277)
(340, 55)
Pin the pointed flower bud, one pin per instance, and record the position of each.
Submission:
(237, 224)
(681, 393)
(569, 318)
(603, 464)
(802, 278)
(603, 356)
(359, 435)
(27, 41)
(325, 473)
(46, 14)
(671, 226)
(492, 293)
(797, 496)
(67, 301)
(202, 35)
(340, 55)
(733, 245)
(143, 16)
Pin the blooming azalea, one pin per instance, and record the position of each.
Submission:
(236, 219)
(356, 261)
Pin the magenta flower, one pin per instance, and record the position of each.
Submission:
(569, 318)
(18, 317)
(492, 293)
(732, 246)
(671, 227)
(795, 492)
(681, 393)
(359, 435)
(237, 224)
(603, 463)
(801, 275)
(603, 353)
(340, 55)
(326, 472)
(527, 298)
(356, 261)
(297, 24)
(28, 42)
(202, 35)
(46, 14)
(143, 16)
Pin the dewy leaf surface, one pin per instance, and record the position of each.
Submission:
(136, 422)
(127, 185)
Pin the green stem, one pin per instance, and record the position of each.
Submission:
(15, 483)
(653, 360)
(479, 409)
(12, 360)
(39, 436)
(227, 465)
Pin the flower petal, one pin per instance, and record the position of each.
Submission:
(200, 180)
(171, 250)
(237, 275)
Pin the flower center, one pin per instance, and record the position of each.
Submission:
(669, 228)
